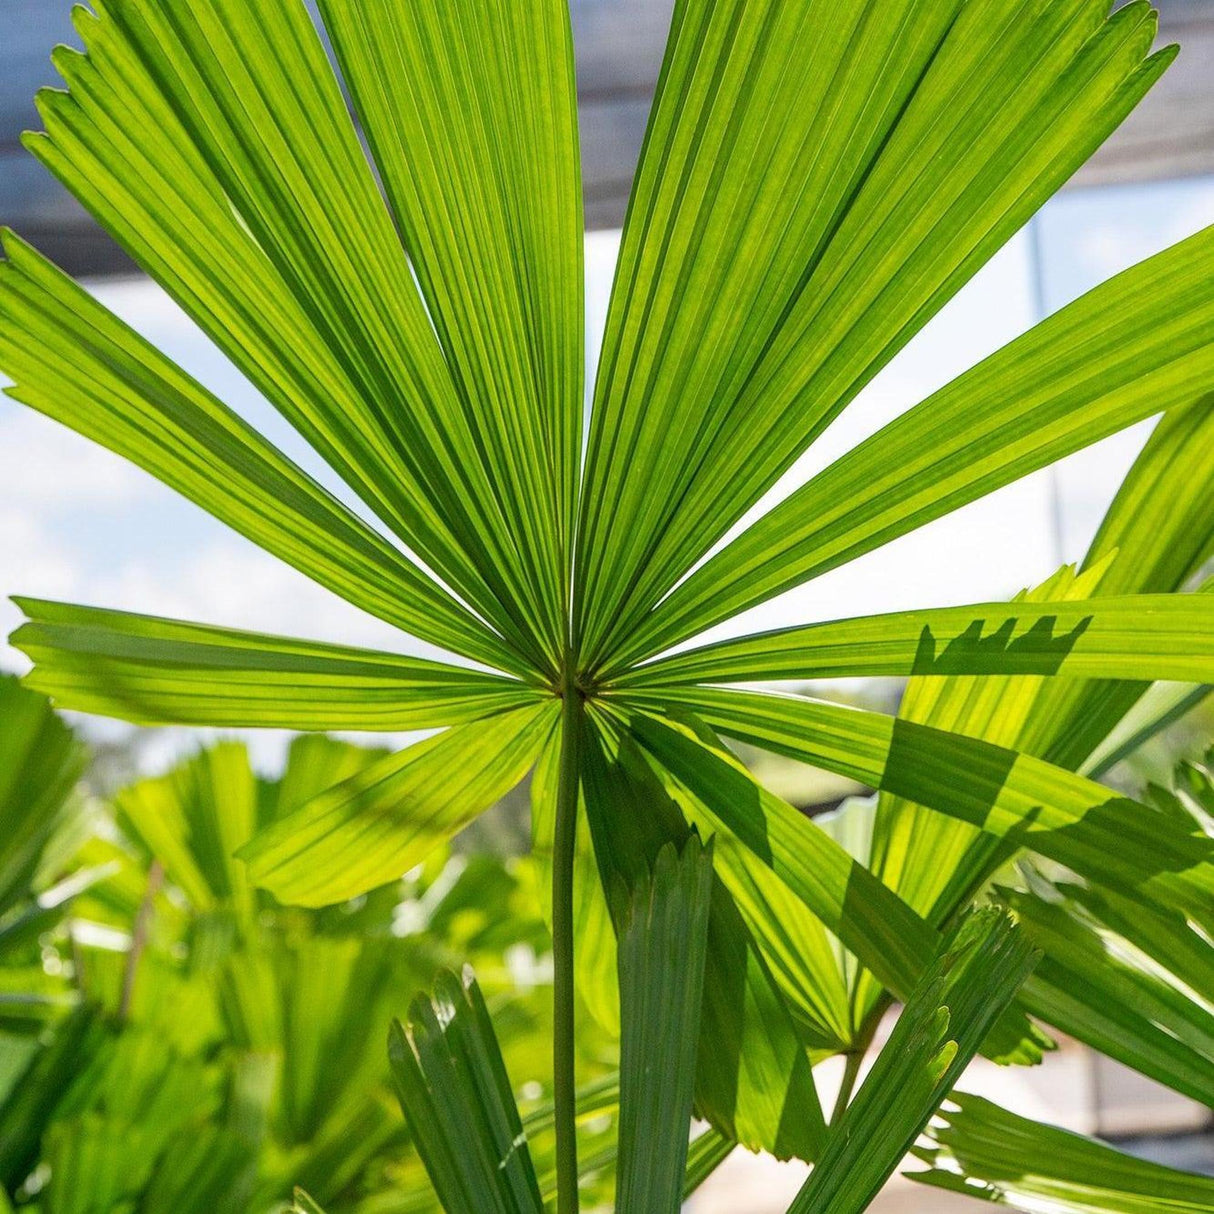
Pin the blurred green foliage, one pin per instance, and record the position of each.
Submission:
(173, 1040)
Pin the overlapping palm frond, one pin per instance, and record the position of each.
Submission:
(207, 1048)
(1122, 973)
(985, 1152)
(789, 232)
(40, 818)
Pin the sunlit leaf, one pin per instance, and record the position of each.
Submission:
(1165, 636)
(376, 825)
(193, 819)
(663, 936)
(753, 1077)
(40, 761)
(787, 235)
(477, 145)
(1094, 984)
(76, 362)
(457, 1098)
(1152, 539)
(1011, 796)
(988, 1153)
(866, 916)
(1108, 360)
(944, 1022)
(156, 671)
(253, 203)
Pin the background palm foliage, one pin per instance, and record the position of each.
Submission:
(789, 232)
(173, 1040)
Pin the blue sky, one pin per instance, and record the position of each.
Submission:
(77, 523)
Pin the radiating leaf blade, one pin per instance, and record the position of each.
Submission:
(40, 762)
(1159, 707)
(1160, 527)
(1011, 796)
(1133, 347)
(154, 671)
(1098, 987)
(840, 211)
(753, 1076)
(456, 1096)
(214, 141)
(937, 1034)
(766, 845)
(76, 362)
(663, 937)
(373, 827)
(1144, 636)
(722, 796)
(1154, 538)
(470, 111)
(191, 821)
(1121, 973)
(991, 1154)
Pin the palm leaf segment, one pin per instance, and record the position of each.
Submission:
(790, 230)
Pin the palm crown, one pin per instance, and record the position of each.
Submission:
(815, 184)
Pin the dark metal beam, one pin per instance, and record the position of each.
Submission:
(619, 50)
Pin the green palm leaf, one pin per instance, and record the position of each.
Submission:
(201, 1173)
(74, 361)
(1095, 367)
(40, 762)
(720, 795)
(192, 820)
(663, 936)
(784, 240)
(42, 1090)
(1123, 974)
(937, 1034)
(911, 842)
(790, 230)
(1150, 540)
(1165, 636)
(145, 669)
(303, 215)
(986, 1152)
(470, 113)
(1143, 544)
(1161, 705)
(1008, 795)
(753, 1077)
(793, 942)
(1121, 998)
(776, 850)
(376, 825)
(1162, 540)
(456, 1096)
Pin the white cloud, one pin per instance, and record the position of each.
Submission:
(1145, 224)
(45, 466)
(33, 563)
(232, 583)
